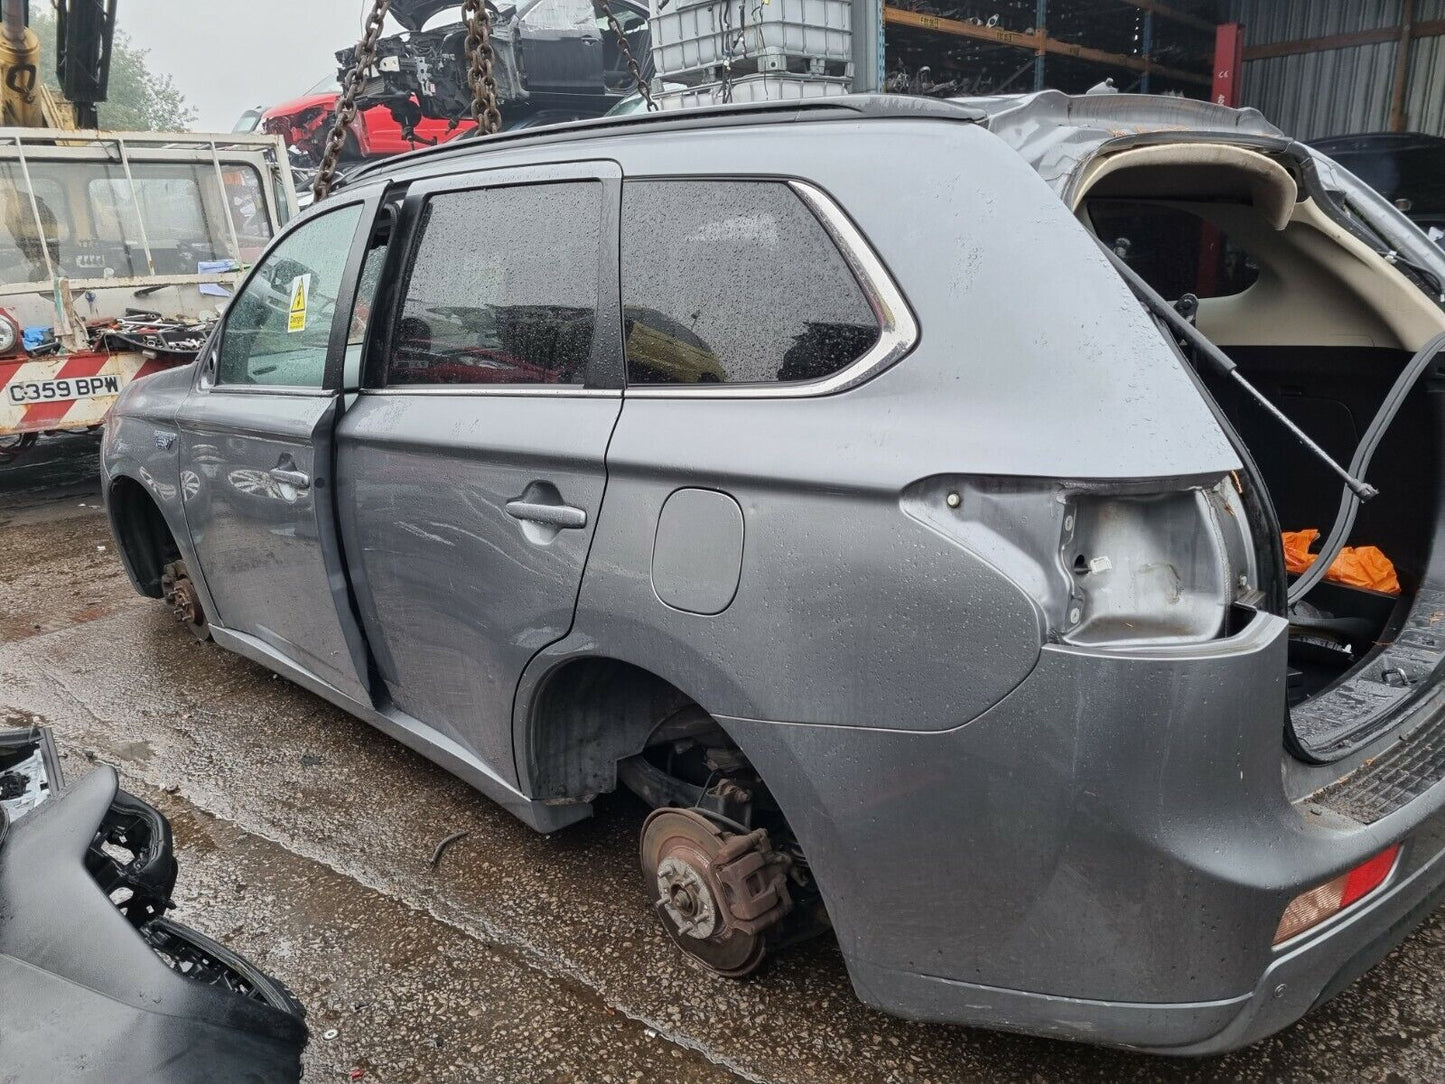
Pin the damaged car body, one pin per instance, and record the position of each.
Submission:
(547, 56)
(916, 552)
(110, 984)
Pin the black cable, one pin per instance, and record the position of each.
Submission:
(1360, 464)
(1226, 367)
(1357, 490)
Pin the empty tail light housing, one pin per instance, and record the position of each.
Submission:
(1309, 909)
(1150, 562)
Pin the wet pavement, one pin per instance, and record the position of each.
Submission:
(304, 839)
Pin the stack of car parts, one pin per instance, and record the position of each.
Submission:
(546, 56)
(109, 986)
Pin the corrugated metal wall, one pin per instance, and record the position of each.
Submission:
(1426, 98)
(1340, 91)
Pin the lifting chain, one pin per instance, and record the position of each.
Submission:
(626, 51)
(479, 59)
(356, 76)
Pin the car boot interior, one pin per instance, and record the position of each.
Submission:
(1323, 326)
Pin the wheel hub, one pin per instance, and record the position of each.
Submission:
(685, 897)
(180, 595)
(716, 893)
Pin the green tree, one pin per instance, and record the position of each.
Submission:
(139, 100)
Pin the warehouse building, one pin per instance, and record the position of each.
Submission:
(1315, 67)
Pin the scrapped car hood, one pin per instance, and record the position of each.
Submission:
(1056, 133)
(293, 106)
(413, 14)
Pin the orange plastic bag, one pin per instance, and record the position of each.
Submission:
(1356, 566)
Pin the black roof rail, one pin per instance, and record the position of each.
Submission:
(841, 107)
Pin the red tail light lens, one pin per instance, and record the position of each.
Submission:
(1309, 909)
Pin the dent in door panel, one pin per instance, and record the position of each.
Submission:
(456, 591)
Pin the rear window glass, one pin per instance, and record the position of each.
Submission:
(88, 219)
(735, 282)
(1174, 251)
(1416, 174)
(503, 288)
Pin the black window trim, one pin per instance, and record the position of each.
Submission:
(897, 327)
(205, 380)
(604, 376)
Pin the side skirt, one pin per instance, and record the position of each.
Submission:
(439, 749)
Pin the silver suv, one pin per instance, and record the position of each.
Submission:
(890, 493)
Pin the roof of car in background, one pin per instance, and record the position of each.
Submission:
(843, 107)
(1374, 142)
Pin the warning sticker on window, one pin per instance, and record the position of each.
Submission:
(300, 295)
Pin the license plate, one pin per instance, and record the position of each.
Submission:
(49, 391)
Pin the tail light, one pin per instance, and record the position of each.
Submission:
(1109, 565)
(1309, 909)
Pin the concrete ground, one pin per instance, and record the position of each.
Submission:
(304, 840)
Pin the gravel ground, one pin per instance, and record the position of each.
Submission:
(304, 836)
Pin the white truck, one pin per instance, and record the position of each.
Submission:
(118, 250)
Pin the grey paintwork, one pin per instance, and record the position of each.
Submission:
(1084, 841)
(697, 554)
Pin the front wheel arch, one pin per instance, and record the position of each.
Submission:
(145, 539)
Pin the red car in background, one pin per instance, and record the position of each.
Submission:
(304, 121)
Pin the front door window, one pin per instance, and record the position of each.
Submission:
(279, 327)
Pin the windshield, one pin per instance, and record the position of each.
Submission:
(87, 220)
(559, 15)
(1416, 174)
(328, 85)
(1365, 204)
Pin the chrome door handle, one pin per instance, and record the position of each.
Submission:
(295, 478)
(564, 516)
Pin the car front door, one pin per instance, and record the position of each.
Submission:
(471, 466)
(256, 444)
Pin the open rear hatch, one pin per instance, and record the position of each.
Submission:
(1328, 337)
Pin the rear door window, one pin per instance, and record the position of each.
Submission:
(502, 288)
(727, 282)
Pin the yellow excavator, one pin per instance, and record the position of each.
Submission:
(84, 31)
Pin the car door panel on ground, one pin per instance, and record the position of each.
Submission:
(471, 470)
(256, 436)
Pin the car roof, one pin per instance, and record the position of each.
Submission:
(842, 107)
(1050, 130)
(1375, 142)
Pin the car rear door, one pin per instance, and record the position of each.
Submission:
(256, 451)
(471, 466)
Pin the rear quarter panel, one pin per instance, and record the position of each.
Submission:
(1033, 361)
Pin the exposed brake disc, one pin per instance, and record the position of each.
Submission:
(716, 892)
(180, 595)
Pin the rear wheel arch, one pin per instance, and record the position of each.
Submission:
(597, 722)
(586, 715)
(589, 713)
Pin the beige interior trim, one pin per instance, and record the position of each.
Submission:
(1193, 171)
(1319, 285)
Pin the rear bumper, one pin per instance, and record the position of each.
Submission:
(1289, 987)
(1104, 855)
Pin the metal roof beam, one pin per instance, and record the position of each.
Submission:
(1164, 11)
(1426, 28)
(1038, 41)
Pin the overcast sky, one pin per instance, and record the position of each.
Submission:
(229, 55)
